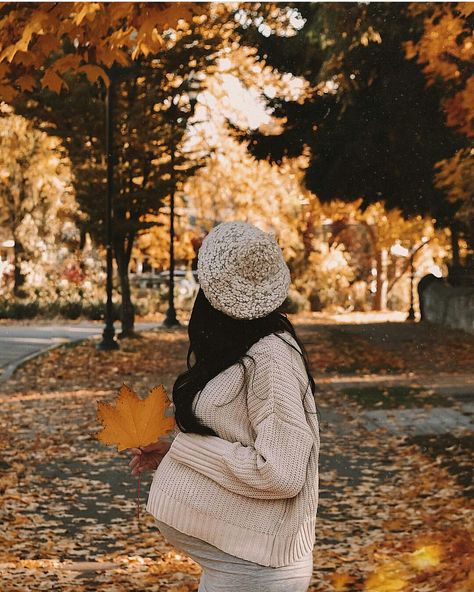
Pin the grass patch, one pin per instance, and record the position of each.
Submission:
(396, 397)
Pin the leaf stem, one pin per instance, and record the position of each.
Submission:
(138, 497)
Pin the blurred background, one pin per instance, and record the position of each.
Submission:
(344, 129)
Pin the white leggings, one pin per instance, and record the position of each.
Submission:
(222, 572)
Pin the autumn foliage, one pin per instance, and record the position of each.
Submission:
(446, 53)
(97, 34)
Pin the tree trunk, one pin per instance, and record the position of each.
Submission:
(122, 256)
(455, 270)
(456, 260)
(18, 277)
(381, 280)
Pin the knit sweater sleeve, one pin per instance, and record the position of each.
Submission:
(276, 465)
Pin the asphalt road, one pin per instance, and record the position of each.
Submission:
(20, 341)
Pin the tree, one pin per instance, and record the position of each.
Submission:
(343, 237)
(35, 191)
(233, 185)
(153, 245)
(47, 43)
(374, 130)
(446, 53)
(156, 98)
(455, 176)
(386, 228)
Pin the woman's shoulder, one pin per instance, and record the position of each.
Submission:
(281, 344)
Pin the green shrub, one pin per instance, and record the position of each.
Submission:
(94, 311)
(71, 310)
(75, 309)
(14, 309)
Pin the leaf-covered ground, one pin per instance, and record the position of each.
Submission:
(395, 511)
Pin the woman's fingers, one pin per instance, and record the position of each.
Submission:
(160, 447)
(135, 460)
(143, 467)
(141, 462)
(145, 462)
(157, 447)
(137, 467)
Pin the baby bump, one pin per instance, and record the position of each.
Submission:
(222, 572)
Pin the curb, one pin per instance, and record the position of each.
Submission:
(11, 368)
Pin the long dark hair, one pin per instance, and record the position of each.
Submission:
(217, 342)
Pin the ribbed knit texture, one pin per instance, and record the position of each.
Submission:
(253, 490)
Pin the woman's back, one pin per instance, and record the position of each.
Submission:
(252, 491)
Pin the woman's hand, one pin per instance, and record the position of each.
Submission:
(148, 458)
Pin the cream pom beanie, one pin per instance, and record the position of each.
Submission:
(241, 270)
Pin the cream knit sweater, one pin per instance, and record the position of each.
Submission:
(253, 490)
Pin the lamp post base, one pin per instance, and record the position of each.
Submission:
(108, 341)
(170, 319)
(411, 315)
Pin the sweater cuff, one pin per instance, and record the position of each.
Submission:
(204, 453)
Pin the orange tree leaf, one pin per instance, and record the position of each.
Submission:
(52, 81)
(134, 422)
(108, 56)
(46, 44)
(7, 92)
(341, 581)
(94, 72)
(26, 82)
(32, 32)
(26, 58)
(68, 62)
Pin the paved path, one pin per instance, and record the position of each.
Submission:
(18, 342)
(439, 420)
(456, 417)
(441, 426)
(449, 384)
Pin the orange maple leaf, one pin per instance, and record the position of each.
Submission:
(94, 72)
(134, 422)
(52, 81)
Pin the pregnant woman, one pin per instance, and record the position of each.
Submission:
(237, 489)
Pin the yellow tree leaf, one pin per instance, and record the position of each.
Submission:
(88, 10)
(134, 422)
(24, 42)
(8, 53)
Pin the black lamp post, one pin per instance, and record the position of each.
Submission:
(411, 310)
(170, 319)
(108, 336)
